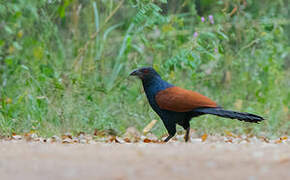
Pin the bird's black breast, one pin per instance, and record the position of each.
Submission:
(151, 88)
(152, 102)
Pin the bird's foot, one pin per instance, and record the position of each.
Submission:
(186, 139)
(186, 136)
(168, 138)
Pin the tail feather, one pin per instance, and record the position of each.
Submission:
(231, 114)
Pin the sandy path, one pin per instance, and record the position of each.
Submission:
(144, 161)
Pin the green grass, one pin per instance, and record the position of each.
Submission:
(65, 66)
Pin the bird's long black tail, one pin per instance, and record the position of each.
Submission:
(231, 114)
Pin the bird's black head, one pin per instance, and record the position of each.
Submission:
(145, 73)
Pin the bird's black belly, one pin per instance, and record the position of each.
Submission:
(180, 118)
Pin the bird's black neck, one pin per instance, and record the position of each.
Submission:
(155, 84)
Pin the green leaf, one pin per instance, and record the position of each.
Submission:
(223, 35)
(47, 70)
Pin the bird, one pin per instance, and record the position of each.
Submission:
(175, 105)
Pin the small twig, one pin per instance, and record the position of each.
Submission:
(250, 44)
(233, 11)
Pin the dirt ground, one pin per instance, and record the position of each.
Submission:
(176, 160)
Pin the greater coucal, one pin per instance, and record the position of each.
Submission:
(175, 105)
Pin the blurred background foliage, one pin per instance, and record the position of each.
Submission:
(64, 64)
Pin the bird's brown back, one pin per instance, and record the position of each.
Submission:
(182, 100)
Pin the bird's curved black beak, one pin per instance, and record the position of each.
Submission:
(135, 73)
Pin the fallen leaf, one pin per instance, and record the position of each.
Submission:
(204, 137)
(146, 140)
(127, 140)
(114, 139)
(150, 136)
(16, 137)
(149, 126)
(230, 134)
(132, 134)
(67, 141)
(283, 138)
(69, 135)
(229, 141)
(27, 137)
(99, 133)
(265, 139)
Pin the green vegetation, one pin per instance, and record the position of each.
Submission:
(64, 65)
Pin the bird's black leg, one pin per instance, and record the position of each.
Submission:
(186, 137)
(168, 138)
(186, 126)
(171, 129)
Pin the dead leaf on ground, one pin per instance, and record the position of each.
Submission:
(113, 139)
(127, 140)
(66, 135)
(265, 139)
(284, 138)
(150, 136)
(229, 140)
(30, 136)
(146, 140)
(149, 126)
(99, 133)
(281, 140)
(204, 137)
(16, 137)
(67, 141)
(228, 133)
(132, 134)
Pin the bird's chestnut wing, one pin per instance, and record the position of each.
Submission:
(182, 100)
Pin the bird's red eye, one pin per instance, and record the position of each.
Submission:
(145, 71)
